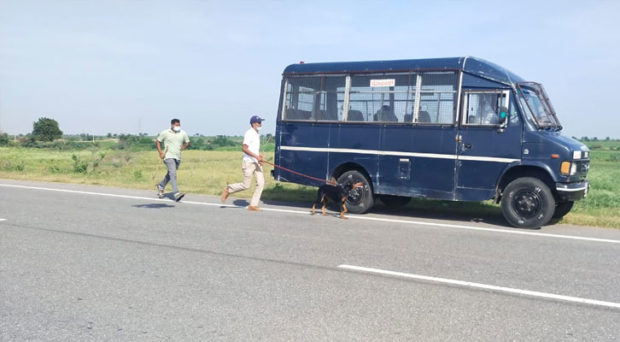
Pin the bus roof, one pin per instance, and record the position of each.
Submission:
(471, 65)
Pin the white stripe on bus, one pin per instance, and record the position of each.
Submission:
(398, 153)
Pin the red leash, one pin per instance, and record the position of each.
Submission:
(299, 173)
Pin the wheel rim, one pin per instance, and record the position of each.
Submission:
(527, 203)
(355, 196)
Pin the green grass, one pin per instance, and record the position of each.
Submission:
(207, 172)
(203, 172)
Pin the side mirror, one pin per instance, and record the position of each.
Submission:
(503, 116)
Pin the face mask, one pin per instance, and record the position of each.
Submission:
(258, 128)
(176, 129)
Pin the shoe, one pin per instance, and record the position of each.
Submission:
(225, 194)
(178, 196)
(254, 208)
(160, 192)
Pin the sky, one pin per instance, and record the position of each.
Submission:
(103, 67)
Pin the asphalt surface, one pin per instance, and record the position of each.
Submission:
(82, 263)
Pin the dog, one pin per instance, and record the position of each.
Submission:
(335, 192)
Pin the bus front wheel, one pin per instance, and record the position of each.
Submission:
(360, 200)
(562, 208)
(527, 203)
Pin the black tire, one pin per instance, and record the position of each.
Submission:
(394, 201)
(562, 208)
(360, 200)
(527, 203)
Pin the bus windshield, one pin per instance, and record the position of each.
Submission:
(537, 106)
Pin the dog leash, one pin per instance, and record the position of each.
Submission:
(299, 173)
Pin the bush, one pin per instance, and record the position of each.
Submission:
(79, 166)
(4, 139)
(223, 141)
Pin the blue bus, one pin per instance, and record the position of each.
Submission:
(460, 129)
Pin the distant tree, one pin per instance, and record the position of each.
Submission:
(607, 138)
(4, 139)
(594, 139)
(585, 139)
(46, 129)
(109, 135)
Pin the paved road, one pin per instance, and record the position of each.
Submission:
(81, 263)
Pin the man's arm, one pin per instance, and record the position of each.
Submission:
(247, 151)
(161, 153)
(186, 138)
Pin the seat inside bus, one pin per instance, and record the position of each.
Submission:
(355, 115)
(424, 116)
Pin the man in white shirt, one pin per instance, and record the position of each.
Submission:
(250, 165)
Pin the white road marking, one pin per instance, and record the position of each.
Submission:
(1, 219)
(356, 217)
(483, 286)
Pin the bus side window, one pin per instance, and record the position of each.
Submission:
(301, 94)
(381, 98)
(483, 108)
(314, 98)
(437, 98)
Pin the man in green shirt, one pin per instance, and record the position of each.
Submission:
(175, 140)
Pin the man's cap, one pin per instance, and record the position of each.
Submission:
(256, 118)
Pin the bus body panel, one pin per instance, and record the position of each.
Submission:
(306, 136)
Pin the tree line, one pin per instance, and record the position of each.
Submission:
(46, 133)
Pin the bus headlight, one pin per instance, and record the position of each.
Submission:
(576, 154)
(568, 168)
(565, 168)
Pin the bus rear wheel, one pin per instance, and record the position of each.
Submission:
(360, 200)
(394, 201)
(527, 203)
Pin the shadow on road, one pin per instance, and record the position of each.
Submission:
(241, 203)
(439, 210)
(153, 205)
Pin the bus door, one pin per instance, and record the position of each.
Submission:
(419, 157)
(427, 170)
(485, 143)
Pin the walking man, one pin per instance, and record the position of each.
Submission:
(250, 165)
(175, 140)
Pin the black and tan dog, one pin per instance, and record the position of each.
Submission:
(336, 193)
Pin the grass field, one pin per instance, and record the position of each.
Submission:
(207, 172)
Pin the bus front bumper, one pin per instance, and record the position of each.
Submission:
(572, 191)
